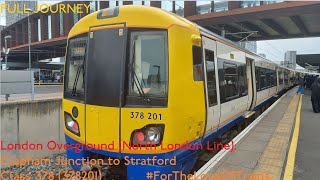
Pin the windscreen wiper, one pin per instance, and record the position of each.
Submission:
(74, 88)
(139, 86)
(136, 80)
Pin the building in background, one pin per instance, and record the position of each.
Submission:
(49, 30)
(262, 55)
(204, 7)
(290, 59)
(249, 45)
(1, 28)
(14, 17)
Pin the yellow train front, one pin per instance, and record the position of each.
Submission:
(129, 82)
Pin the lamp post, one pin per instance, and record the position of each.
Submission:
(6, 52)
(29, 37)
(29, 46)
(98, 5)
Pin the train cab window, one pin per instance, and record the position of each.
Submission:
(230, 80)
(75, 68)
(263, 83)
(211, 77)
(197, 63)
(148, 69)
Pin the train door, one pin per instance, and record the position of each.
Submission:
(252, 93)
(104, 70)
(285, 78)
(211, 83)
(279, 80)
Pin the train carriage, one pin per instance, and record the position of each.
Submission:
(139, 80)
(266, 79)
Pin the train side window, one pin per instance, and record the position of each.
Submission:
(272, 78)
(211, 77)
(243, 88)
(285, 77)
(197, 63)
(268, 76)
(275, 77)
(291, 77)
(221, 83)
(257, 78)
(230, 80)
(280, 77)
(262, 78)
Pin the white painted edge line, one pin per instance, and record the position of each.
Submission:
(213, 161)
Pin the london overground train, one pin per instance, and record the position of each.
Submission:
(149, 77)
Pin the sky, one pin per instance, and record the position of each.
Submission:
(273, 49)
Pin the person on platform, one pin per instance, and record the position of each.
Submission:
(301, 85)
(308, 81)
(315, 95)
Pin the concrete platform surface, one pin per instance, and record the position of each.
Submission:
(263, 151)
(40, 92)
(307, 159)
(27, 97)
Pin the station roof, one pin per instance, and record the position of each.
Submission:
(305, 59)
(273, 21)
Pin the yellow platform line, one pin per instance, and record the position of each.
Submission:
(288, 173)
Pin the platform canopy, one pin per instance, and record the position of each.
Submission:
(305, 60)
(294, 19)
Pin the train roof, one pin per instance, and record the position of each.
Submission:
(218, 37)
(138, 15)
(132, 16)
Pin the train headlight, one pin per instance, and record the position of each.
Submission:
(150, 135)
(154, 135)
(71, 124)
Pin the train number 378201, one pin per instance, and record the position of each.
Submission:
(148, 116)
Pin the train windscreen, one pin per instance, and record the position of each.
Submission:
(148, 68)
(75, 68)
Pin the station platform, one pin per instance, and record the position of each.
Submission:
(307, 158)
(27, 97)
(269, 149)
(41, 92)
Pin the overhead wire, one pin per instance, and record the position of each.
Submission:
(241, 25)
